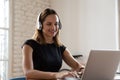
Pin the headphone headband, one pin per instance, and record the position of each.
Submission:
(40, 23)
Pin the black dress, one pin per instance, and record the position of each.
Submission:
(47, 57)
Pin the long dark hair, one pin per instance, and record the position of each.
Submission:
(38, 35)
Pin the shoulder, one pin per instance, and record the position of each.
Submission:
(30, 42)
(62, 48)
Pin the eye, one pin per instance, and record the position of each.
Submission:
(48, 24)
(56, 24)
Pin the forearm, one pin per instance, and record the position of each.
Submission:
(35, 74)
(41, 75)
(78, 67)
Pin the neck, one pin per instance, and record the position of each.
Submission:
(49, 40)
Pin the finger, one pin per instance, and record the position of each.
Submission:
(74, 74)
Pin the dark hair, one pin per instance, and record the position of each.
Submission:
(38, 35)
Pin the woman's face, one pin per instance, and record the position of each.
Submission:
(50, 26)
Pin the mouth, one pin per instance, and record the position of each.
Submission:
(53, 31)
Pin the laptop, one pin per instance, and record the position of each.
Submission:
(101, 65)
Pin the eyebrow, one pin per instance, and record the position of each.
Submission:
(51, 22)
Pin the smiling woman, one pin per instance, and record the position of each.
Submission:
(43, 54)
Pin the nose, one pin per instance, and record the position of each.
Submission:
(53, 27)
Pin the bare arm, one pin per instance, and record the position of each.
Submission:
(31, 73)
(73, 63)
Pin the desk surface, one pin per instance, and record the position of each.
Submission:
(117, 77)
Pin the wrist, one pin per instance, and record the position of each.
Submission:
(55, 76)
(60, 75)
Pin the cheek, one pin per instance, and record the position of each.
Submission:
(56, 31)
(44, 30)
(57, 28)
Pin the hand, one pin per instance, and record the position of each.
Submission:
(72, 74)
(64, 74)
(60, 75)
(81, 71)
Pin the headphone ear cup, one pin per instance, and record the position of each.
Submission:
(40, 26)
(60, 25)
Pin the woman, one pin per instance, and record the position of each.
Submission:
(43, 54)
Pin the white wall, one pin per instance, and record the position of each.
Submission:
(23, 15)
(87, 24)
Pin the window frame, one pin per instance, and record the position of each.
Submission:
(10, 62)
(6, 29)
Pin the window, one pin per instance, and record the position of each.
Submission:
(4, 30)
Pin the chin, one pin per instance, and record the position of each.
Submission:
(51, 35)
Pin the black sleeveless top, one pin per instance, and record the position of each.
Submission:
(47, 57)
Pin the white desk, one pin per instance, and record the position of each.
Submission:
(117, 77)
